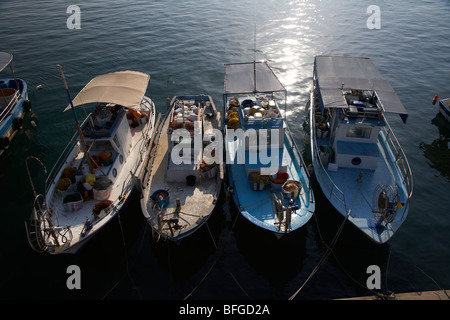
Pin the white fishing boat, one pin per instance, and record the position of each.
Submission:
(100, 166)
(184, 176)
(13, 103)
(358, 162)
(267, 176)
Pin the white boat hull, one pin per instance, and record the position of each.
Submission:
(188, 206)
(62, 226)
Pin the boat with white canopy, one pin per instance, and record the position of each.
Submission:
(267, 176)
(100, 166)
(358, 161)
(13, 103)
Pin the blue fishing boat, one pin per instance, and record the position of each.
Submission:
(267, 176)
(13, 103)
(358, 162)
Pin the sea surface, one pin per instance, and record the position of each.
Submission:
(184, 45)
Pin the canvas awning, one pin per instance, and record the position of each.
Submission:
(251, 77)
(334, 73)
(5, 59)
(125, 88)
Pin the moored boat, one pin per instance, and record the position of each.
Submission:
(444, 108)
(358, 161)
(185, 173)
(13, 103)
(100, 166)
(267, 176)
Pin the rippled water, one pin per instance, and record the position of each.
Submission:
(184, 45)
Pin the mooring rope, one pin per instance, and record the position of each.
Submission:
(133, 284)
(324, 257)
(333, 242)
(215, 261)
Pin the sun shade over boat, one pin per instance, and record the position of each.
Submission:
(251, 77)
(5, 59)
(336, 73)
(125, 88)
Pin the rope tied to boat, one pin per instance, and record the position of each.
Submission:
(334, 241)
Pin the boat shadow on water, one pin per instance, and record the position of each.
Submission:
(349, 243)
(438, 152)
(164, 269)
(277, 260)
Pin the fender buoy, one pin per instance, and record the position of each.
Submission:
(26, 105)
(17, 123)
(436, 97)
(137, 114)
(4, 142)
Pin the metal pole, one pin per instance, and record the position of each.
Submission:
(80, 132)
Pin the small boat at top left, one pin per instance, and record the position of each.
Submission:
(99, 168)
(13, 103)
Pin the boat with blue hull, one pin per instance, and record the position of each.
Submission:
(14, 103)
(99, 168)
(267, 176)
(358, 161)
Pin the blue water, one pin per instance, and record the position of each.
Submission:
(184, 45)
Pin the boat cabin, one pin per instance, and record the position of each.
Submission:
(353, 98)
(257, 122)
(352, 132)
(108, 138)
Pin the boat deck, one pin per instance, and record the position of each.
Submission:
(358, 186)
(258, 206)
(197, 201)
(119, 191)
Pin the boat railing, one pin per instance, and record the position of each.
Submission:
(400, 159)
(62, 158)
(41, 233)
(5, 112)
(333, 189)
(297, 151)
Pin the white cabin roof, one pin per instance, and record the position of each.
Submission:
(251, 77)
(337, 73)
(125, 88)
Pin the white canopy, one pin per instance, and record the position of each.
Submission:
(251, 77)
(334, 73)
(5, 59)
(125, 88)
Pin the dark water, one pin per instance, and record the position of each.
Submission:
(183, 45)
